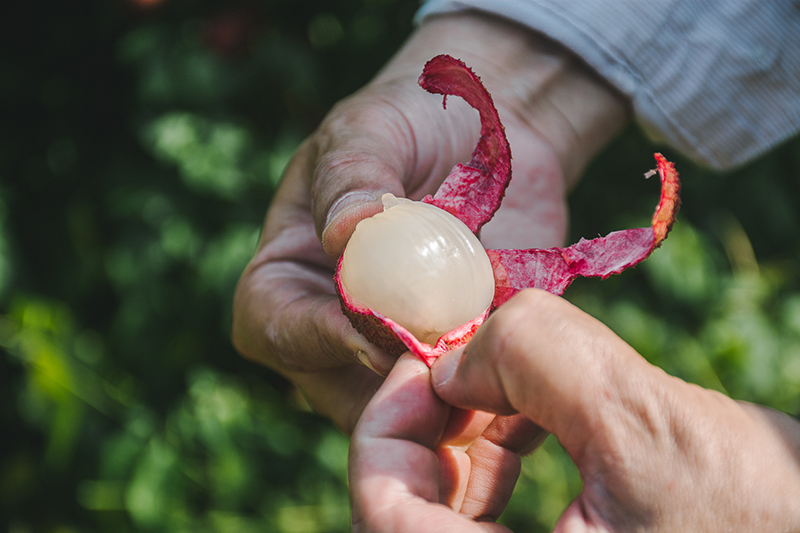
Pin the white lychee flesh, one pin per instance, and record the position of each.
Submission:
(419, 266)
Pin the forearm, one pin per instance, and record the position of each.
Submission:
(533, 80)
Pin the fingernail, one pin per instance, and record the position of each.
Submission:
(347, 201)
(445, 367)
(362, 356)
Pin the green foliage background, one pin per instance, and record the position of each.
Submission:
(139, 148)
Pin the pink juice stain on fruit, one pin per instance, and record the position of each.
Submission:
(450, 287)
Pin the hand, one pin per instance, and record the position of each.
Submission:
(654, 453)
(411, 453)
(394, 137)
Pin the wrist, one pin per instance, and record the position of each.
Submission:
(532, 80)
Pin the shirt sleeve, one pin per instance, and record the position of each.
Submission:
(717, 80)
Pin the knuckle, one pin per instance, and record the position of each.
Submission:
(535, 301)
(336, 162)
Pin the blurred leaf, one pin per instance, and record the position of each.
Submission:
(209, 155)
(325, 30)
(685, 269)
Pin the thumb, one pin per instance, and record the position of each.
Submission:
(341, 219)
(392, 137)
(355, 166)
(540, 356)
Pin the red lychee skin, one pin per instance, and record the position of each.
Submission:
(472, 192)
(554, 269)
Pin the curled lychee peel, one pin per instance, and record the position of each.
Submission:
(473, 191)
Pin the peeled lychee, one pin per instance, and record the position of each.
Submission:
(415, 277)
(419, 265)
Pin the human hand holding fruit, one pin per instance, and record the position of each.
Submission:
(416, 277)
(393, 137)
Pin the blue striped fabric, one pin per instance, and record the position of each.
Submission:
(718, 80)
